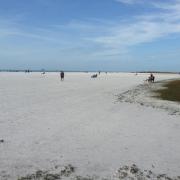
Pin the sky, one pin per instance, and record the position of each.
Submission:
(90, 35)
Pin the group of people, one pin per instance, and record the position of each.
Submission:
(151, 78)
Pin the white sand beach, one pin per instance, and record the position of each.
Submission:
(46, 123)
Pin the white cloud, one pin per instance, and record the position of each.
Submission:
(144, 28)
(104, 38)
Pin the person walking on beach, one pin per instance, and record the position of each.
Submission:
(62, 75)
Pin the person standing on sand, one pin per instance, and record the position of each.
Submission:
(62, 75)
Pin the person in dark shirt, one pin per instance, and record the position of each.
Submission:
(62, 75)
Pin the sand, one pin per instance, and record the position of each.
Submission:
(46, 123)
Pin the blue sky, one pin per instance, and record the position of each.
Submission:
(116, 35)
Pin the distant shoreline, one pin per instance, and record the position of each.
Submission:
(43, 70)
